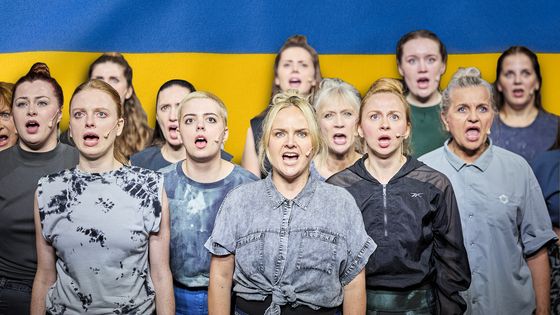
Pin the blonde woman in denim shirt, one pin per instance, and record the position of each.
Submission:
(290, 243)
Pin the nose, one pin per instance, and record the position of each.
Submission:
(200, 124)
(90, 120)
(290, 141)
(422, 66)
(517, 79)
(339, 123)
(384, 123)
(473, 116)
(173, 113)
(32, 109)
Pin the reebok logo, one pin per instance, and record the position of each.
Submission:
(416, 195)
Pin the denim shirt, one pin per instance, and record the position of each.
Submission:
(300, 251)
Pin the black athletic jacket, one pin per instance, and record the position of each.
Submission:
(415, 222)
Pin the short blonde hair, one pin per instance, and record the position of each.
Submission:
(279, 102)
(205, 95)
(394, 87)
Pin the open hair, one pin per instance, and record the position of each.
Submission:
(279, 102)
(136, 133)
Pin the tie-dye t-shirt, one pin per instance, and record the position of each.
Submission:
(193, 207)
(99, 225)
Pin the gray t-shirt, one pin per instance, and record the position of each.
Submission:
(100, 224)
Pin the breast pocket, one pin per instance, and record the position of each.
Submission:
(317, 251)
(249, 253)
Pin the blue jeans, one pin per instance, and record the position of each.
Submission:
(190, 301)
(15, 296)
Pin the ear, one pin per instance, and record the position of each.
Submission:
(120, 126)
(499, 86)
(277, 81)
(443, 68)
(401, 72)
(59, 118)
(444, 121)
(360, 131)
(407, 132)
(129, 91)
(226, 134)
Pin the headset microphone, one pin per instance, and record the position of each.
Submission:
(50, 124)
(308, 153)
(398, 135)
(110, 130)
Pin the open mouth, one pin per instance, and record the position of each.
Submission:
(91, 139)
(384, 141)
(200, 142)
(423, 82)
(294, 82)
(173, 132)
(3, 140)
(340, 139)
(473, 133)
(32, 126)
(290, 156)
(518, 92)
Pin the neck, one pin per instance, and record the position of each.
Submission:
(173, 154)
(99, 165)
(290, 188)
(432, 100)
(468, 156)
(383, 169)
(334, 163)
(206, 172)
(521, 116)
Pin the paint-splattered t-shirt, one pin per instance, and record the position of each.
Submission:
(193, 207)
(99, 224)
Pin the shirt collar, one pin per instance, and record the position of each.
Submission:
(481, 163)
(302, 199)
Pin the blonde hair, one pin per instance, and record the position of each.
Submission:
(205, 95)
(279, 102)
(394, 87)
(100, 85)
(6, 95)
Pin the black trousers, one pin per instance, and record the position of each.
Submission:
(15, 296)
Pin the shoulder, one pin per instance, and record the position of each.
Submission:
(344, 178)
(508, 158)
(327, 191)
(68, 151)
(426, 174)
(142, 158)
(61, 176)
(432, 155)
(142, 173)
(243, 174)
(548, 118)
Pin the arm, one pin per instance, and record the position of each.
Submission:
(355, 295)
(449, 255)
(219, 287)
(250, 160)
(159, 263)
(46, 267)
(540, 273)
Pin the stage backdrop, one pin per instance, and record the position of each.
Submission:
(228, 47)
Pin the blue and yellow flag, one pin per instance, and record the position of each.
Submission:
(228, 47)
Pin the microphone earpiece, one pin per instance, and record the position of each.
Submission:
(308, 153)
(110, 130)
(398, 135)
(488, 132)
(51, 124)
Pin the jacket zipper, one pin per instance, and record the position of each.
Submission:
(385, 210)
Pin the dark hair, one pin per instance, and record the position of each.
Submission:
(515, 50)
(301, 42)
(40, 72)
(157, 137)
(100, 85)
(136, 132)
(420, 34)
(6, 93)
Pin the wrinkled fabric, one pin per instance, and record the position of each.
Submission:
(301, 251)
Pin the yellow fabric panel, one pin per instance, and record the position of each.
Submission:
(243, 81)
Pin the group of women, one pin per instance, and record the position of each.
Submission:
(345, 218)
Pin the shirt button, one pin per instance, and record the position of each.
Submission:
(471, 215)
(472, 243)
